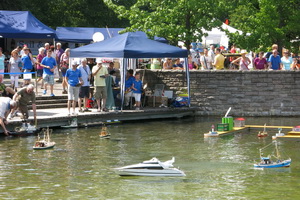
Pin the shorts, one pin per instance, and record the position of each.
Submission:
(84, 91)
(48, 79)
(73, 93)
(100, 92)
(24, 110)
(39, 72)
(137, 96)
(63, 71)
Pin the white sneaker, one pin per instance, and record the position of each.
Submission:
(137, 108)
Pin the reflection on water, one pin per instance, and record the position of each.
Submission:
(81, 165)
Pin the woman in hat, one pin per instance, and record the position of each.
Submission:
(242, 61)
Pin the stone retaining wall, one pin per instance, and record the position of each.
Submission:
(249, 93)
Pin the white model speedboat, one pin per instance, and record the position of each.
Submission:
(151, 167)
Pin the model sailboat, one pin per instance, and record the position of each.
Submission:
(104, 132)
(264, 133)
(44, 143)
(273, 160)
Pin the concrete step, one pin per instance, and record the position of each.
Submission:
(49, 106)
(48, 97)
(51, 101)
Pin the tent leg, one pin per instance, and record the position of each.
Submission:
(187, 80)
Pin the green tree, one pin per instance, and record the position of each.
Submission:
(73, 13)
(267, 22)
(175, 20)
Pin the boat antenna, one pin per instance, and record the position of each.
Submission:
(276, 148)
(228, 112)
(265, 127)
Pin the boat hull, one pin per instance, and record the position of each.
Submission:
(23, 133)
(48, 146)
(285, 163)
(150, 172)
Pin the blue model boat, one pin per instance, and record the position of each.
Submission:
(267, 162)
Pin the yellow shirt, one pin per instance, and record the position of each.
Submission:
(219, 61)
(99, 81)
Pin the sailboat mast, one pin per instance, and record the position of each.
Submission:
(277, 152)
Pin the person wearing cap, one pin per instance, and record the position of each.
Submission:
(100, 73)
(73, 77)
(242, 61)
(84, 92)
(6, 105)
(219, 60)
(49, 65)
(23, 97)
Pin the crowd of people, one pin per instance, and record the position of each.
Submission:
(218, 59)
(78, 76)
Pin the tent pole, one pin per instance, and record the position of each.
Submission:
(123, 78)
(187, 80)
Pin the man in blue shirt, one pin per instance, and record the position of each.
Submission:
(49, 65)
(73, 77)
(84, 92)
(275, 61)
(128, 84)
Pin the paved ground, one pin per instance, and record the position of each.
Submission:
(60, 116)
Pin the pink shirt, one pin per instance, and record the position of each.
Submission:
(260, 63)
(39, 58)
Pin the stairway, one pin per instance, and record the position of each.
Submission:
(46, 102)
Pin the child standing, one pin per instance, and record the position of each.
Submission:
(137, 88)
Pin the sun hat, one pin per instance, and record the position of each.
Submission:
(98, 60)
(243, 51)
(75, 62)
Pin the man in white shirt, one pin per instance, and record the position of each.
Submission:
(84, 92)
(206, 60)
(6, 105)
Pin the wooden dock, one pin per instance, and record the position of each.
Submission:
(289, 135)
(221, 133)
(261, 126)
(58, 117)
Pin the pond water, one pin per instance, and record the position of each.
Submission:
(80, 165)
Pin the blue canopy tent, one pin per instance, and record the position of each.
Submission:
(85, 35)
(22, 24)
(131, 46)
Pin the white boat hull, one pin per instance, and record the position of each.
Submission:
(150, 172)
(47, 146)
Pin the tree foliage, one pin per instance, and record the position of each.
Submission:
(73, 13)
(267, 22)
(175, 20)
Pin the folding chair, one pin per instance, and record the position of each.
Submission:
(158, 92)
